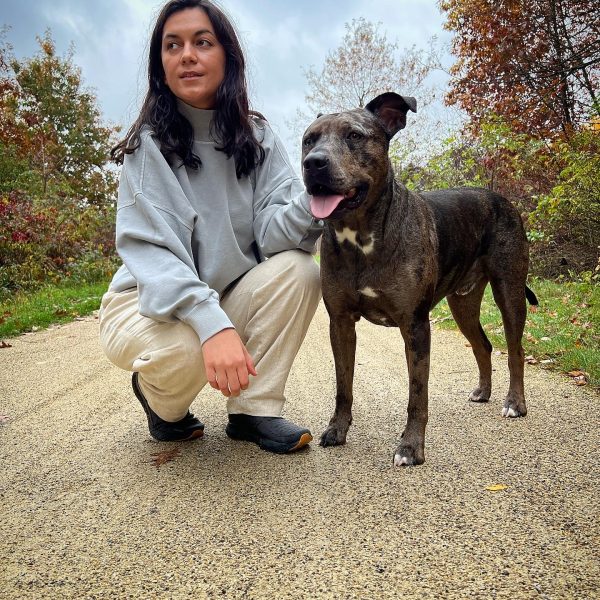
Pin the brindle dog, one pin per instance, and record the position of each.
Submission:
(390, 255)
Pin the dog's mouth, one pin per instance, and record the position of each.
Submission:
(329, 204)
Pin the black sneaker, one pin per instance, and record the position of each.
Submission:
(187, 428)
(274, 434)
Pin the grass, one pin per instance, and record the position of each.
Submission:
(562, 333)
(53, 304)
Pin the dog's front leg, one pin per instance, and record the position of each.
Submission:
(342, 332)
(417, 341)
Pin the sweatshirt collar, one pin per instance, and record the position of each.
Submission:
(199, 119)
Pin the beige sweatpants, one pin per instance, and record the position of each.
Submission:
(271, 308)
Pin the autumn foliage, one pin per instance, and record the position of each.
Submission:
(56, 188)
(535, 63)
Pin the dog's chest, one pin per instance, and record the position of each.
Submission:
(358, 280)
(374, 306)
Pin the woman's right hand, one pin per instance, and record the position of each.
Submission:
(227, 362)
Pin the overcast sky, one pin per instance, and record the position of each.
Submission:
(281, 39)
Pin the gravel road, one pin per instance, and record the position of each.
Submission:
(87, 513)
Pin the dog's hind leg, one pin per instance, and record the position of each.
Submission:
(509, 295)
(465, 310)
(342, 332)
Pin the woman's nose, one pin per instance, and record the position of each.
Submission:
(188, 54)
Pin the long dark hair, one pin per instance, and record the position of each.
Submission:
(231, 123)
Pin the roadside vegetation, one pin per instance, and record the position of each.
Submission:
(52, 304)
(561, 334)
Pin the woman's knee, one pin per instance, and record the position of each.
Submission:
(302, 272)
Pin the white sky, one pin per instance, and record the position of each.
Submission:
(280, 39)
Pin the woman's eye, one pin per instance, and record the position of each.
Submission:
(203, 43)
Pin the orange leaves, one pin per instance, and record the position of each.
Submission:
(579, 377)
(161, 458)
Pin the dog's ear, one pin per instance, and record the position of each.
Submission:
(319, 115)
(391, 108)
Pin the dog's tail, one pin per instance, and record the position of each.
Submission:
(531, 297)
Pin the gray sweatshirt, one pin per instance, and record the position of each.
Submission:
(185, 235)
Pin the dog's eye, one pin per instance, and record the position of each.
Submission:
(307, 141)
(354, 136)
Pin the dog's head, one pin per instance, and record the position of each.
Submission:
(345, 155)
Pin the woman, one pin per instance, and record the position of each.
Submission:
(207, 194)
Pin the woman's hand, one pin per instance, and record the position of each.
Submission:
(227, 363)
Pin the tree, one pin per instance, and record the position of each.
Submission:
(14, 142)
(58, 120)
(56, 187)
(364, 66)
(535, 63)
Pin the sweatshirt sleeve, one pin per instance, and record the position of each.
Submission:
(282, 217)
(154, 231)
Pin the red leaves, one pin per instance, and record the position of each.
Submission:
(4, 344)
(161, 458)
(507, 61)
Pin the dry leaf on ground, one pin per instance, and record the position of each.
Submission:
(496, 487)
(160, 458)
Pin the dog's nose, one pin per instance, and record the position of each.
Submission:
(315, 161)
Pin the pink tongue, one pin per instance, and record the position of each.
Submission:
(322, 206)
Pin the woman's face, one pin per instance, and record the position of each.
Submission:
(192, 58)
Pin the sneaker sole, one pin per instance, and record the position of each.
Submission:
(304, 440)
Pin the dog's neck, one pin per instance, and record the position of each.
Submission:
(369, 220)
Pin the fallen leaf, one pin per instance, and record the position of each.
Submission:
(496, 487)
(160, 458)
(548, 361)
(533, 308)
(575, 373)
(530, 360)
(545, 339)
(4, 419)
(4, 344)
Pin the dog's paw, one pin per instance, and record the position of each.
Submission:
(406, 456)
(333, 436)
(479, 395)
(514, 407)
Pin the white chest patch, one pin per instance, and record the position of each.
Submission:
(349, 235)
(367, 291)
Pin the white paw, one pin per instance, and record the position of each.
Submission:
(400, 460)
(508, 411)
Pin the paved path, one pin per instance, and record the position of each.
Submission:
(85, 513)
